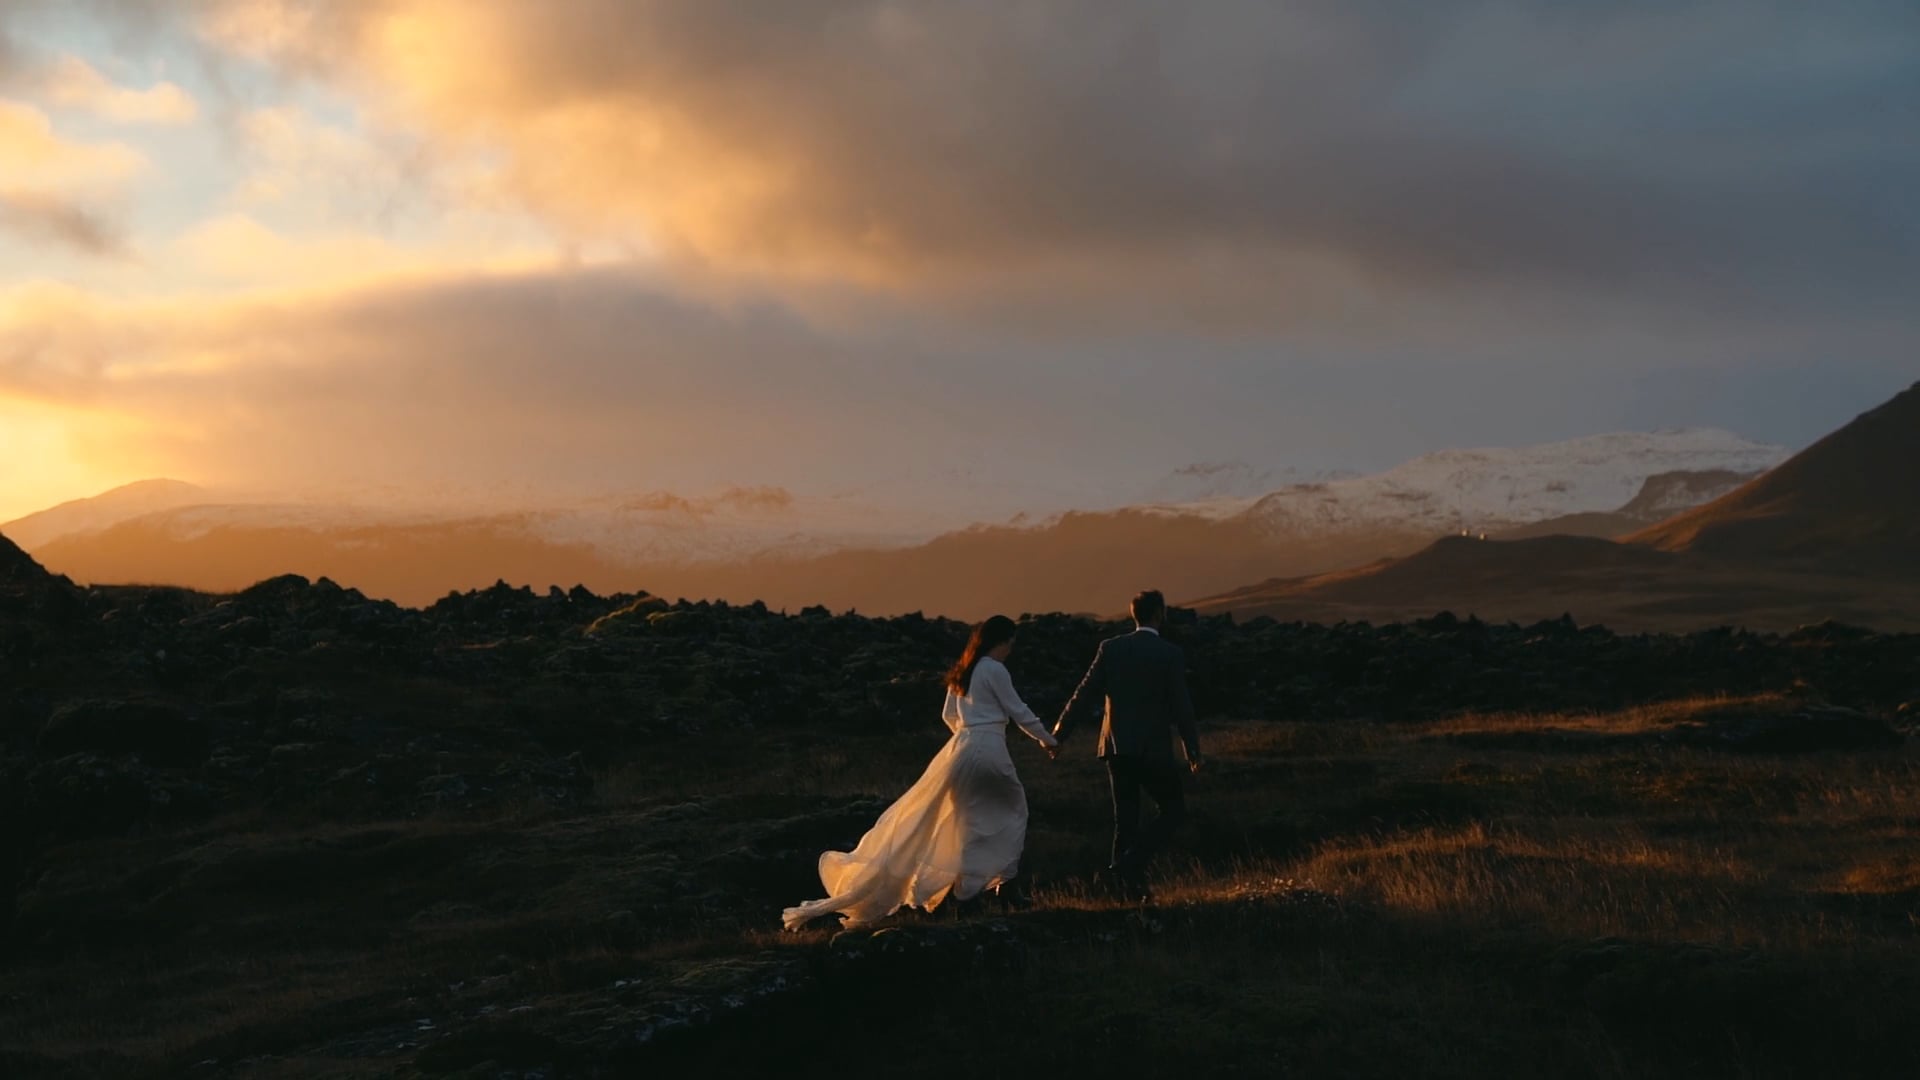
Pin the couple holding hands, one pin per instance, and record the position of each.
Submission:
(959, 831)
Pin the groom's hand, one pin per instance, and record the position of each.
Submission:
(1194, 763)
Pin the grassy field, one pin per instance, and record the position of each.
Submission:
(1506, 895)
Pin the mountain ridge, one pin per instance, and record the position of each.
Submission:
(1827, 534)
(103, 510)
(753, 544)
(1854, 493)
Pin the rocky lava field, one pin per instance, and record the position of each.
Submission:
(293, 831)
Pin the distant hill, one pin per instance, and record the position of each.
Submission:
(412, 564)
(793, 551)
(1080, 562)
(1852, 497)
(1628, 588)
(108, 508)
(1494, 489)
(1090, 561)
(1829, 534)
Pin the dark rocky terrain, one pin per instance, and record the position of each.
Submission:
(583, 812)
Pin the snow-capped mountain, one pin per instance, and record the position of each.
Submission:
(1498, 488)
(1209, 481)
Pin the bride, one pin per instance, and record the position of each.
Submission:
(960, 828)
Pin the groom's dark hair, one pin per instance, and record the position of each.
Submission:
(1149, 607)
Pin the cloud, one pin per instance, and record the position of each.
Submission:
(74, 83)
(538, 385)
(319, 206)
(1229, 160)
(50, 184)
(340, 171)
(37, 157)
(959, 246)
(558, 380)
(588, 381)
(240, 250)
(289, 153)
(43, 218)
(53, 347)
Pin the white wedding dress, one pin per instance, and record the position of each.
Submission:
(958, 830)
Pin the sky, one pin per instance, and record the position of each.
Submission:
(512, 250)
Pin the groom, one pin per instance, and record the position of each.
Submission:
(1140, 682)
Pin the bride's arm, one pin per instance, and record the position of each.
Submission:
(950, 712)
(1016, 709)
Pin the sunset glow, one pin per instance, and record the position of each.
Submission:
(231, 230)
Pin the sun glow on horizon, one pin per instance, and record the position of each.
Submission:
(42, 461)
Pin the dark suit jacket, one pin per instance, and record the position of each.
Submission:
(1140, 682)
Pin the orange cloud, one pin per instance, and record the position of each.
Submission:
(239, 250)
(741, 144)
(48, 183)
(557, 380)
(38, 159)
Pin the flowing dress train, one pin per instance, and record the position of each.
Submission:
(958, 831)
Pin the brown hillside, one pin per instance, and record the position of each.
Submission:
(1851, 500)
(413, 564)
(1830, 534)
(1080, 562)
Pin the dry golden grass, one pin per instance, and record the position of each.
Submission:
(1643, 718)
(1633, 841)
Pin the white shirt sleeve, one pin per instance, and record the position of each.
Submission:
(1016, 710)
(950, 712)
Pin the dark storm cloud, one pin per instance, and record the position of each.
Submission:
(1726, 155)
(1719, 157)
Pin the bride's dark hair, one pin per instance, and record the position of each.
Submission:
(986, 637)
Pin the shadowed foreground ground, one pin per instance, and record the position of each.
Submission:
(1638, 893)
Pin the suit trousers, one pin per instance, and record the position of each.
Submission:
(1133, 843)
